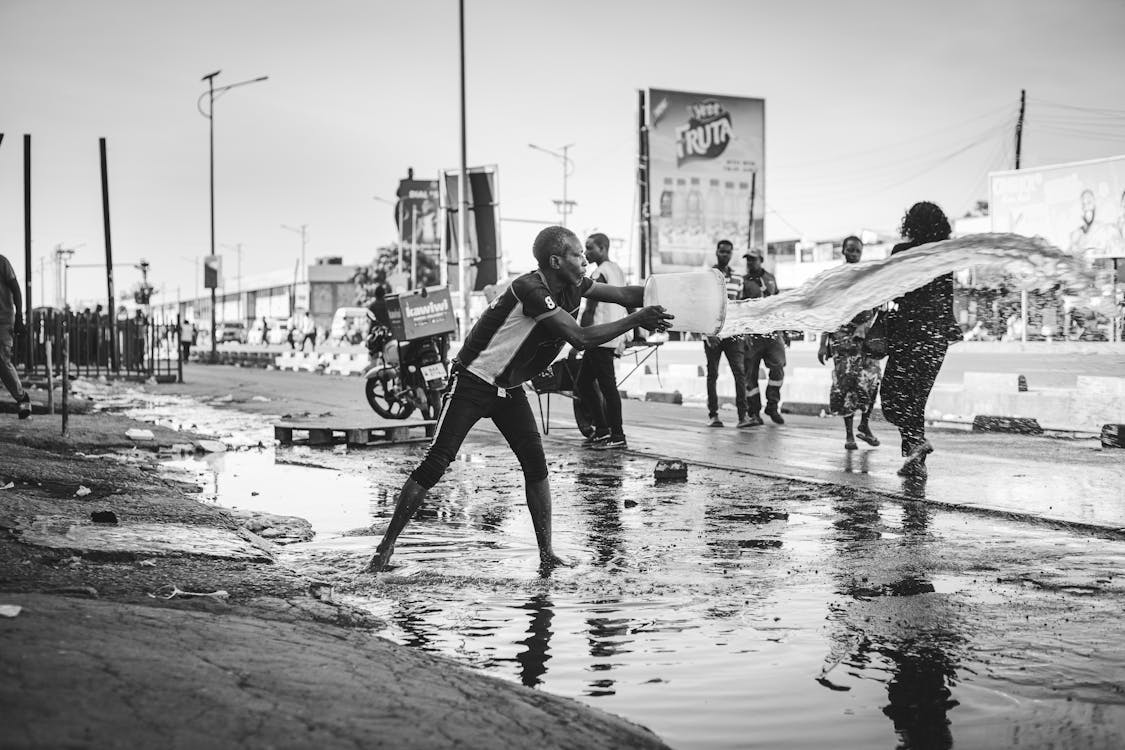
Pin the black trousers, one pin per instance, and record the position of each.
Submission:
(468, 400)
(597, 387)
(912, 367)
(734, 348)
(771, 350)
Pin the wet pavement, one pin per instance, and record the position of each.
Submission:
(813, 606)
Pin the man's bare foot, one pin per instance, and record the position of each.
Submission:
(380, 559)
(550, 561)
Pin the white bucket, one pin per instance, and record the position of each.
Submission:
(697, 299)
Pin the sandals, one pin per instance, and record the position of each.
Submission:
(867, 437)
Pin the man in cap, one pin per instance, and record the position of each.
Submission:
(768, 347)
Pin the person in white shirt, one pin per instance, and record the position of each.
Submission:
(597, 379)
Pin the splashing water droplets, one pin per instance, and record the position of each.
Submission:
(834, 297)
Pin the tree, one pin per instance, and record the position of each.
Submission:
(370, 277)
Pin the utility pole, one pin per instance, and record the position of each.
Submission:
(463, 193)
(564, 206)
(1019, 125)
(1019, 146)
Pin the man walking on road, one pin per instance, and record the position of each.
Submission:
(733, 347)
(597, 381)
(520, 333)
(11, 323)
(768, 347)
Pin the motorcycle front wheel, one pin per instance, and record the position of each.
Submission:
(381, 397)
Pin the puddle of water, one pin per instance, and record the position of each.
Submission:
(728, 611)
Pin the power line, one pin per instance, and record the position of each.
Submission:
(883, 148)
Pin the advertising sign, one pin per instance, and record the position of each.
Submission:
(706, 176)
(416, 213)
(482, 227)
(1079, 207)
(213, 272)
(414, 315)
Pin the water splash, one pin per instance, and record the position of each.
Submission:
(835, 296)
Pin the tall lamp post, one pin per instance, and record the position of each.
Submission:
(565, 206)
(210, 95)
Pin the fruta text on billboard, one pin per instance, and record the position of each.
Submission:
(705, 162)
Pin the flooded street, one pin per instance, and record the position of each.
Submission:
(728, 611)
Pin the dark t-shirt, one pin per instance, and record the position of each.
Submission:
(927, 309)
(510, 344)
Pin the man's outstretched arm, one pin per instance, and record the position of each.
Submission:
(627, 296)
(652, 318)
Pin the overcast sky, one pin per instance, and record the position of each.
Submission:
(870, 106)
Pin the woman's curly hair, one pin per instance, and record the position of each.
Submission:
(925, 222)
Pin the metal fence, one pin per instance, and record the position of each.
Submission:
(94, 345)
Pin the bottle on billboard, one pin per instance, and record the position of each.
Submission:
(694, 208)
(730, 210)
(713, 210)
(679, 206)
(666, 199)
(743, 226)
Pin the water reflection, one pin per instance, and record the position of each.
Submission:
(600, 486)
(537, 646)
(895, 621)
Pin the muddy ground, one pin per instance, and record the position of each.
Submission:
(102, 647)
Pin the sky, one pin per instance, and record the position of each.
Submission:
(870, 106)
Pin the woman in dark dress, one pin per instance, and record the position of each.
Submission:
(919, 332)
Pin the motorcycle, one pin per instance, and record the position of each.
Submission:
(407, 376)
(410, 353)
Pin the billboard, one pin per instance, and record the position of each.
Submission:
(482, 227)
(706, 176)
(1079, 207)
(416, 213)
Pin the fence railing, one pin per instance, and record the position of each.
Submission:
(94, 345)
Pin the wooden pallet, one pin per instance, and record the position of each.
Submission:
(331, 433)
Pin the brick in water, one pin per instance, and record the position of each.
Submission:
(670, 470)
(1113, 436)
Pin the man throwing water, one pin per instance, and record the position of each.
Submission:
(516, 338)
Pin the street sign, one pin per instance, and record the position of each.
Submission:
(212, 272)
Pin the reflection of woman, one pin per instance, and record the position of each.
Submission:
(918, 336)
(855, 376)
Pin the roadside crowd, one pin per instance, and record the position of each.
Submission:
(912, 332)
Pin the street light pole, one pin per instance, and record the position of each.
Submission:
(565, 205)
(210, 115)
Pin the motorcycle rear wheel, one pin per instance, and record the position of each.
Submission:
(381, 398)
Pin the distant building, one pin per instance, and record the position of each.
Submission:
(793, 262)
(279, 293)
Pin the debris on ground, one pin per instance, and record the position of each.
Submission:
(171, 591)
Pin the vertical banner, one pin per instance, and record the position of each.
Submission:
(483, 227)
(418, 208)
(706, 167)
(212, 272)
